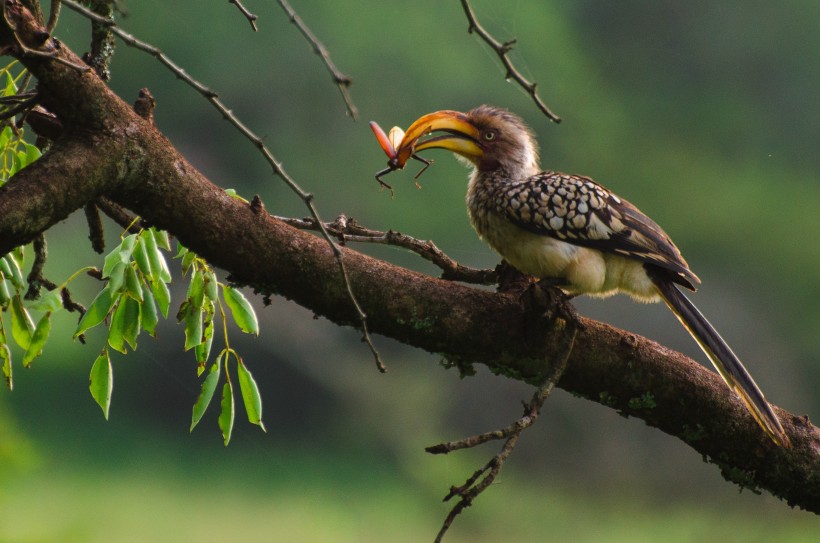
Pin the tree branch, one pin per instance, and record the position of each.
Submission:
(111, 151)
(257, 142)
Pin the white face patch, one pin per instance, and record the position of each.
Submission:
(529, 158)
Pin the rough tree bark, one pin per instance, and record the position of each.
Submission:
(108, 150)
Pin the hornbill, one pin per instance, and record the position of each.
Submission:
(572, 231)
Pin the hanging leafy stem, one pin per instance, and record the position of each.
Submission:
(197, 313)
(16, 154)
(135, 295)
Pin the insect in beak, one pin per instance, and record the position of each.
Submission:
(389, 143)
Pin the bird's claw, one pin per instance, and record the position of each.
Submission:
(512, 281)
(553, 303)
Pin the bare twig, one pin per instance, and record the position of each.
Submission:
(475, 485)
(17, 98)
(501, 50)
(54, 15)
(35, 9)
(24, 50)
(346, 229)
(22, 103)
(71, 305)
(95, 227)
(257, 142)
(145, 104)
(342, 81)
(35, 277)
(248, 15)
(119, 215)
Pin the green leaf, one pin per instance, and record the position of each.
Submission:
(51, 301)
(5, 267)
(29, 154)
(203, 350)
(250, 395)
(158, 266)
(121, 253)
(196, 289)
(162, 295)
(38, 340)
(116, 279)
(5, 137)
(101, 382)
(97, 311)
(11, 87)
(183, 311)
(181, 250)
(211, 291)
(32, 153)
(17, 162)
(14, 272)
(148, 312)
(161, 236)
(116, 331)
(141, 253)
(18, 254)
(206, 393)
(226, 415)
(125, 325)
(241, 310)
(5, 356)
(193, 326)
(132, 283)
(5, 295)
(187, 259)
(22, 327)
(132, 330)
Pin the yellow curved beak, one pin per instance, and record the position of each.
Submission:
(461, 136)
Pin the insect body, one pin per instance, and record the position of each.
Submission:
(396, 154)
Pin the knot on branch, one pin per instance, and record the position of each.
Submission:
(145, 104)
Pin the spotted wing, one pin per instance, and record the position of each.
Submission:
(578, 210)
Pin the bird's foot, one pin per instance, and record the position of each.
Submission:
(512, 281)
(547, 297)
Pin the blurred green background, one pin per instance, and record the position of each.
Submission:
(704, 114)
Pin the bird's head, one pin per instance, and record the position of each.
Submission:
(490, 138)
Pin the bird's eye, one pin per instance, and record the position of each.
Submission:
(489, 135)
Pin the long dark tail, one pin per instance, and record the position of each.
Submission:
(722, 357)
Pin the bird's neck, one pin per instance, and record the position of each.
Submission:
(484, 185)
(523, 166)
(502, 174)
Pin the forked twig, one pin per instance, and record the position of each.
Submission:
(346, 229)
(24, 50)
(248, 15)
(18, 104)
(342, 81)
(53, 16)
(501, 50)
(475, 484)
(257, 142)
